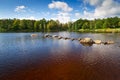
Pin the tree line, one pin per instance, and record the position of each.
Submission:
(17, 25)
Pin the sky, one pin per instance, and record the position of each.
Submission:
(62, 10)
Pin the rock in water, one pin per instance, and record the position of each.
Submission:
(79, 39)
(59, 37)
(86, 40)
(34, 35)
(72, 39)
(97, 41)
(54, 36)
(87, 44)
(46, 35)
(110, 42)
(66, 38)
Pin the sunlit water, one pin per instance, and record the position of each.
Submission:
(23, 57)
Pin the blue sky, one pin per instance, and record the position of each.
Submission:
(62, 10)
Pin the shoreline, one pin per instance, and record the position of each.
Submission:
(100, 30)
(80, 30)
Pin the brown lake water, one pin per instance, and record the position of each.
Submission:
(23, 57)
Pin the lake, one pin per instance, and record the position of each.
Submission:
(23, 57)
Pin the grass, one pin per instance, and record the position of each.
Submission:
(117, 30)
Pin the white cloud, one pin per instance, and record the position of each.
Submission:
(108, 8)
(64, 10)
(20, 9)
(29, 18)
(60, 5)
(103, 8)
(88, 15)
(63, 17)
(77, 14)
(85, 15)
(94, 2)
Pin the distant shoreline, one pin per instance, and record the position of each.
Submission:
(117, 30)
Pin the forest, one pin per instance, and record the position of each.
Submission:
(17, 25)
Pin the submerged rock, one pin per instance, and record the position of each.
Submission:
(86, 40)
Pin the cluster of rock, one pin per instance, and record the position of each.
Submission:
(81, 40)
(91, 41)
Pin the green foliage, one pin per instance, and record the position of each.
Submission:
(37, 26)
(15, 25)
(82, 24)
(105, 24)
(98, 24)
(69, 26)
(52, 25)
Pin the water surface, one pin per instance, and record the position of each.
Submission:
(23, 57)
